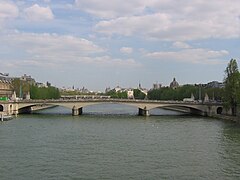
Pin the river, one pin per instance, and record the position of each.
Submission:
(112, 142)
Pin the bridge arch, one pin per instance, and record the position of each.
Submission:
(1, 108)
(219, 110)
(182, 108)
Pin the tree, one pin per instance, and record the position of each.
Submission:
(232, 86)
(20, 87)
(117, 95)
(44, 92)
(138, 94)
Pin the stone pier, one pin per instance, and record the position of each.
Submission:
(76, 111)
(143, 112)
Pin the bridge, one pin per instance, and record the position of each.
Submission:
(144, 106)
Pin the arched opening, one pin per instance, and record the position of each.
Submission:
(1, 108)
(219, 110)
(25, 110)
(11, 109)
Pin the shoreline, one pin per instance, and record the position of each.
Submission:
(234, 119)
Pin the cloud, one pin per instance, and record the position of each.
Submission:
(109, 61)
(126, 50)
(181, 45)
(171, 20)
(111, 9)
(136, 24)
(8, 10)
(52, 50)
(50, 45)
(199, 56)
(38, 13)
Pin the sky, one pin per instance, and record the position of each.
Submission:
(100, 43)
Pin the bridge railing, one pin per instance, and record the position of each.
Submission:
(112, 100)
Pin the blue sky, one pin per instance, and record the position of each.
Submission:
(97, 44)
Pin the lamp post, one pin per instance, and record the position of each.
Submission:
(200, 93)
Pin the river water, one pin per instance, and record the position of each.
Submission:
(112, 142)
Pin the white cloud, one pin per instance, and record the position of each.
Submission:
(126, 50)
(174, 20)
(111, 9)
(109, 61)
(136, 24)
(38, 13)
(201, 56)
(52, 50)
(181, 45)
(8, 10)
(51, 45)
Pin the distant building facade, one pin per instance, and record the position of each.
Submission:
(174, 84)
(28, 79)
(130, 94)
(215, 84)
(157, 86)
(6, 89)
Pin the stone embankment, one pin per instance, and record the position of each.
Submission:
(235, 119)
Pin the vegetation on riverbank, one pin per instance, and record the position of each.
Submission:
(199, 92)
(231, 95)
(22, 88)
(49, 92)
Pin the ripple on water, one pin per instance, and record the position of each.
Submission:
(120, 146)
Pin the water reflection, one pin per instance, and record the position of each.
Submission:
(231, 154)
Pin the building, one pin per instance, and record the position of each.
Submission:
(41, 85)
(174, 84)
(130, 93)
(119, 89)
(107, 89)
(215, 84)
(157, 86)
(6, 89)
(28, 79)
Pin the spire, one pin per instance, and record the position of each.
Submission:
(139, 85)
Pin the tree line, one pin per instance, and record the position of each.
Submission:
(186, 91)
(22, 88)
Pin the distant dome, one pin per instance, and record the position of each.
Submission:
(174, 84)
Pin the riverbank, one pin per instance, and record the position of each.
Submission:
(235, 119)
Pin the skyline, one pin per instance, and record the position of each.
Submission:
(87, 44)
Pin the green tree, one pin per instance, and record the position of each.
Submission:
(138, 94)
(44, 92)
(232, 86)
(117, 95)
(20, 87)
(185, 91)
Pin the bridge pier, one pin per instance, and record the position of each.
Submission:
(143, 112)
(76, 111)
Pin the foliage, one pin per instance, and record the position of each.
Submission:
(117, 95)
(20, 87)
(232, 86)
(44, 92)
(185, 91)
(138, 94)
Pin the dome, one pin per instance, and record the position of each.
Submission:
(174, 84)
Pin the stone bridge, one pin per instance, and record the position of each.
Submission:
(204, 109)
